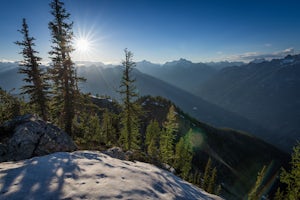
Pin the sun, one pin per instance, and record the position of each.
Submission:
(86, 43)
(82, 45)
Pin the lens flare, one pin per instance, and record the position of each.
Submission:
(82, 45)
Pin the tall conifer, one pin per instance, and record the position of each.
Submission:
(167, 137)
(131, 111)
(212, 181)
(108, 128)
(206, 176)
(255, 192)
(64, 75)
(152, 139)
(36, 86)
(292, 178)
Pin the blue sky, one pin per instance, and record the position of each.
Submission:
(161, 30)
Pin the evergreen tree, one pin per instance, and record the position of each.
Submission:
(10, 106)
(109, 132)
(131, 111)
(197, 177)
(80, 125)
(94, 129)
(152, 139)
(167, 137)
(179, 153)
(254, 193)
(63, 73)
(36, 86)
(218, 191)
(212, 181)
(183, 157)
(206, 176)
(292, 178)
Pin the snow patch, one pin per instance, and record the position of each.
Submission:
(91, 175)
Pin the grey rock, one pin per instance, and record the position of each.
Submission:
(169, 168)
(116, 152)
(31, 136)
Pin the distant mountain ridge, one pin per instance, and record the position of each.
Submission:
(266, 92)
(105, 81)
(263, 94)
(183, 73)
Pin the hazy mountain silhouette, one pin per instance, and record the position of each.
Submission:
(105, 80)
(266, 92)
(183, 73)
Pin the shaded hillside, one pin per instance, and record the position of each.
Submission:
(237, 156)
(267, 93)
(105, 81)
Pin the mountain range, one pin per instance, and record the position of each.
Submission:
(264, 92)
(183, 73)
(261, 98)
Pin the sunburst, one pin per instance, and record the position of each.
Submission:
(82, 45)
(85, 44)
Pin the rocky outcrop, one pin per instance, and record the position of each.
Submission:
(31, 136)
(117, 152)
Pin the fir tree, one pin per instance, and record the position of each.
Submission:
(292, 178)
(212, 181)
(254, 193)
(197, 177)
(109, 132)
(152, 139)
(36, 86)
(167, 137)
(131, 111)
(206, 176)
(209, 179)
(94, 129)
(183, 157)
(63, 73)
(218, 190)
(10, 106)
(179, 153)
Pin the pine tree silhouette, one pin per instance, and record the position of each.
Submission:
(131, 111)
(35, 78)
(63, 73)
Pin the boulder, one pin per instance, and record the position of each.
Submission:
(115, 152)
(31, 136)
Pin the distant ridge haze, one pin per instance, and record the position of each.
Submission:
(264, 93)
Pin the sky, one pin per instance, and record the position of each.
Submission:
(160, 30)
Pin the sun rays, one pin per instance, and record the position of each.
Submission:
(86, 43)
(82, 45)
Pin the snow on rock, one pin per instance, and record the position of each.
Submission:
(91, 175)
